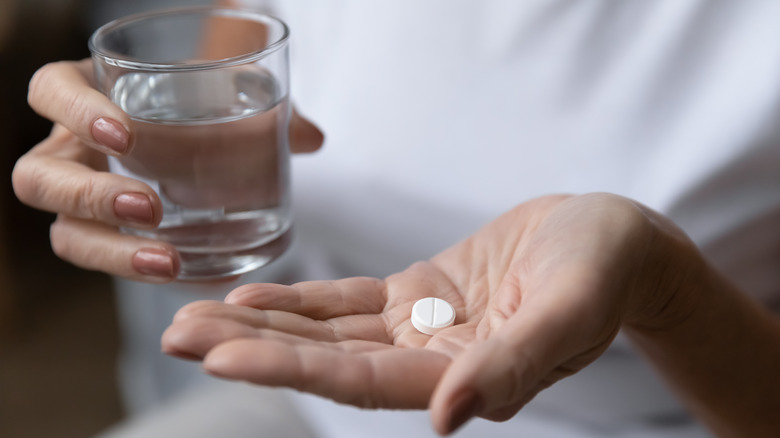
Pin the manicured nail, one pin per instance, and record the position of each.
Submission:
(111, 134)
(153, 261)
(134, 207)
(466, 406)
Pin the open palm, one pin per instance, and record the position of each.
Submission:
(539, 293)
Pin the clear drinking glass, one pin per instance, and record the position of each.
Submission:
(207, 91)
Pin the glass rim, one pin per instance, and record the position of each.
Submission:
(249, 57)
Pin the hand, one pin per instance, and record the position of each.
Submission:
(67, 174)
(539, 293)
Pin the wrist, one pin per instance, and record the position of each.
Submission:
(714, 345)
(671, 280)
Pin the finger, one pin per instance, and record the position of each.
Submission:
(316, 299)
(394, 378)
(253, 318)
(55, 176)
(62, 92)
(304, 135)
(100, 247)
(194, 337)
(351, 327)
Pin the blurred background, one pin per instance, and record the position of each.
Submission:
(58, 336)
(58, 332)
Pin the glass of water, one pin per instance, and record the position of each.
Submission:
(207, 91)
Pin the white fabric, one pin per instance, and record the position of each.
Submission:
(442, 114)
(218, 409)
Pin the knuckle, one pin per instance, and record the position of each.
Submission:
(22, 181)
(28, 181)
(76, 107)
(39, 82)
(36, 82)
(58, 237)
(80, 195)
(87, 198)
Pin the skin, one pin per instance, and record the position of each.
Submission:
(539, 294)
(67, 174)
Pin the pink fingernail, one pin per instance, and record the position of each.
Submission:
(153, 261)
(134, 207)
(111, 134)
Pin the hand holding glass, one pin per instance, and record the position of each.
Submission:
(207, 90)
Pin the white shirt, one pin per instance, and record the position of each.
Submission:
(448, 113)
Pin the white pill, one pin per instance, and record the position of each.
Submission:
(429, 315)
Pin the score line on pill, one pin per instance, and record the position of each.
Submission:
(430, 315)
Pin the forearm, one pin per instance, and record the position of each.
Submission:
(723, 358)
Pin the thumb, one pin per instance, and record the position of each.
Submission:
(491, 379)
(304, 135)
(494, 378)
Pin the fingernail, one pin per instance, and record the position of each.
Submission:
(134, 207)
(466, 406)
(153, 261)
(111, 134)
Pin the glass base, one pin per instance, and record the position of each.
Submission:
(200, 266)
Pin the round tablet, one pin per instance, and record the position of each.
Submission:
(429, 315)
